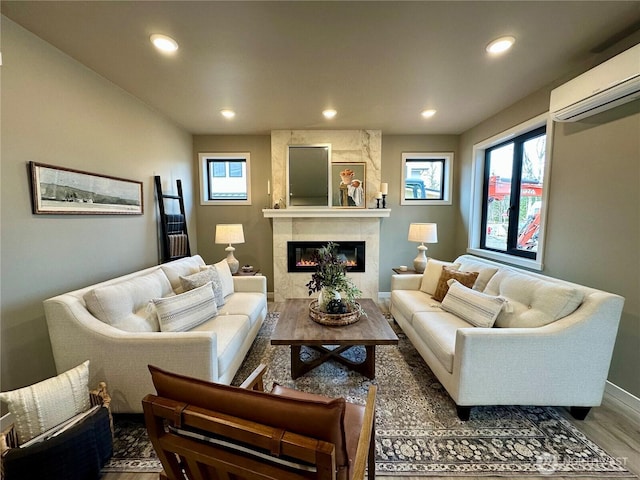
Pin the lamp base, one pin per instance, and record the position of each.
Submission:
(234, 264)
(420, 262)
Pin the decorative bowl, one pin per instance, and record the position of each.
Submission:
(334, 319)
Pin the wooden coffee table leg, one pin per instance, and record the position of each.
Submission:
(297, 365)
(366, 368)
(370, 362)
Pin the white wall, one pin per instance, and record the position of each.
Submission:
(56, 111)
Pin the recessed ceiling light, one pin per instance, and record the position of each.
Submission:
(428, 113)
(329, 113)
(164, 43)
(228, 113)
(500, 45)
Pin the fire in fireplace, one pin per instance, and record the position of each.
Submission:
(299, 255)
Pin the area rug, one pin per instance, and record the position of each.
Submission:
(417, 429)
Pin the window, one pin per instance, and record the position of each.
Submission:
(509, 199)
(512, 194)
(225, 179)
(426, 178)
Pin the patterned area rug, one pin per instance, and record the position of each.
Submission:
(418, 431)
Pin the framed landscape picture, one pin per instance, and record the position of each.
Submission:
(347, 185)
(58, 190)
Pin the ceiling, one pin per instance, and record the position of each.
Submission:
(379, 64)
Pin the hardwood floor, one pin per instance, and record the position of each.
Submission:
(613, 426)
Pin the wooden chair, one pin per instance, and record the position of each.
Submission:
(194, 442)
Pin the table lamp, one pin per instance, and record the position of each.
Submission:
(423, 233)
(230, 233)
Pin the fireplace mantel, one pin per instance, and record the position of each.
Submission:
(326, 212)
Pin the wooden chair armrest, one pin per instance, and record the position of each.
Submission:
(365, 452)
(254, 380)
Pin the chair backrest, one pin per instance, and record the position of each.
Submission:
(198, 443)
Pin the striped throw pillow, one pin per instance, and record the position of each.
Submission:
(42, 406)
(184, 311)
(477, 308)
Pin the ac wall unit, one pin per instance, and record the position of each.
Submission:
(608, 85)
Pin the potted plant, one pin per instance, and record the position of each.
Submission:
(337, 291)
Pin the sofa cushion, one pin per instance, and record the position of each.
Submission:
(231, 331)
(432, 274)
(465, 278)
(533, 302)
(244, 303)
(321, 420)
(410, 302)
(123, 304)
(42, 406)
(206, 275)
(183, 267)
(475, 307)
(182, 312)
(438, 331)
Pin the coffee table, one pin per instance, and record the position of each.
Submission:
(296, 329)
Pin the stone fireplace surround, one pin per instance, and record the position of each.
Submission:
(325, 224)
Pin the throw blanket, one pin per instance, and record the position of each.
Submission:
(178, 245)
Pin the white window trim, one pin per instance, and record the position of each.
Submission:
(477, 179)
(203, 157)
(447, 181)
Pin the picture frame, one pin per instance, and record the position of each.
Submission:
(348, 185)
(65, 191)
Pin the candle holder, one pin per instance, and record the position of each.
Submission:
(384, 200)
(377, 203)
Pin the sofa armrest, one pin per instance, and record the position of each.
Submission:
(256, 283)
(120, 358)
(567, 359)
(406, 282)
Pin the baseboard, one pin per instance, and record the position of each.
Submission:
(620, 395)
(384, 295)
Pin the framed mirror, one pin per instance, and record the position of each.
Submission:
(308, 175)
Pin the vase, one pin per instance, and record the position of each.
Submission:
(326, 295)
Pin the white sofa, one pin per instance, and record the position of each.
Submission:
(562, 362)
(119, 355)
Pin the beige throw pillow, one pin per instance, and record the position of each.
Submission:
(432, 273)
(225, 277)
(44, 405)
(474, 307)
(181, 313)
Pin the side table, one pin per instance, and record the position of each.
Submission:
(252, 273)
(409, 271)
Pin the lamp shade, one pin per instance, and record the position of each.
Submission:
(229, 233)
(423, 232)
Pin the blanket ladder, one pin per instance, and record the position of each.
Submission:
(173, 226)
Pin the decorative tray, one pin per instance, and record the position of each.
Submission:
(334, 319)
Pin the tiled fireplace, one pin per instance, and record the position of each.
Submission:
(329, 224)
